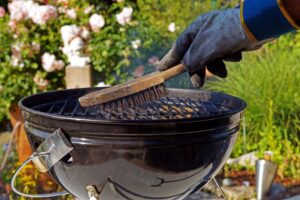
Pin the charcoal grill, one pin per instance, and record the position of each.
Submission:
(165, 149)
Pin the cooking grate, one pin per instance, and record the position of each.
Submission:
(164, 109)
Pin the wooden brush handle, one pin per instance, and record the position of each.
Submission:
(132, 87)
(172, 72)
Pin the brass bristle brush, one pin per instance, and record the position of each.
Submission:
(135, 92)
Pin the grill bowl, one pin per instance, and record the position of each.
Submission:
(149, 154)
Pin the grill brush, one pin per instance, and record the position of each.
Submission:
(135, 92)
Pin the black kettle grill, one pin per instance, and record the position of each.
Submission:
(166, 149)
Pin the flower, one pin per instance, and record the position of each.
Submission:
(50, 64)
(21, 10)
(18, 10)
(61, 10)
(59, 65)
(85, 33)
(40, 82)
(76, 44)
(102, 84)
(74, 38)
(96, 22)
(124, 17)
(71, 13)
(136, 43)
(153, 60)
(12, 24)
(69, 32)
(64, 2)
(79, 61)
(41, 14)
(172, 27)
(88, 9)
(16, 57)
(35, 47)
(2, 11)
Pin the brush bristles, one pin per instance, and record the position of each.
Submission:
(151, 94)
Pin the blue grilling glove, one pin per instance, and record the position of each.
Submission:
(220, 36)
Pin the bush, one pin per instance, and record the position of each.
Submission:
(34, 53)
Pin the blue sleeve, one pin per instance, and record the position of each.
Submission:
(265, 19)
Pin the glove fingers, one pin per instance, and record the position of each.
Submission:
(176, 53)
(198, 78)
(236, 57)
(171, 59)
(181, 46)
(217, 68)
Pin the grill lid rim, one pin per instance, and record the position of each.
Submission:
(206, 117)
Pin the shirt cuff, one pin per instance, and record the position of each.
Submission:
(265, 19)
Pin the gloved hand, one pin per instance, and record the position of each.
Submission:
(211, 39)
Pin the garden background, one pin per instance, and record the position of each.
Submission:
(123, 39)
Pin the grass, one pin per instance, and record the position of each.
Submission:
(269, 82)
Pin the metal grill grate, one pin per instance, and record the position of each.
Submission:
(163, 109)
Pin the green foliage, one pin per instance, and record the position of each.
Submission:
(17, 82)
(110, 49)
(268, 81)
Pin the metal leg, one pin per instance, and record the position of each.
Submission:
(92, 192)
(51, 151)
(220, 188)
(34, 155)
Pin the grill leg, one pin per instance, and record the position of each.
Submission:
(220, 188)
(108, 192)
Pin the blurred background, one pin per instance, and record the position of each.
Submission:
(55, 44)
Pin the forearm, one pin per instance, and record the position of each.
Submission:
(265, 19)
(293, 8)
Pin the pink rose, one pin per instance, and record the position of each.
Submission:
(96, 22)
(79, 61)
(87, 10)
(12, 24)
(124, 17)
(64, 2)
(59, 65)
(17, 10)
(39, 14)
(50, 64)
(41, 82)
(49, 12)
(76, 44)
(71, 13)
(35, 47)
(69, 32)
(85, 33)
(43, 13)
(2, 11)
(16, 55)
